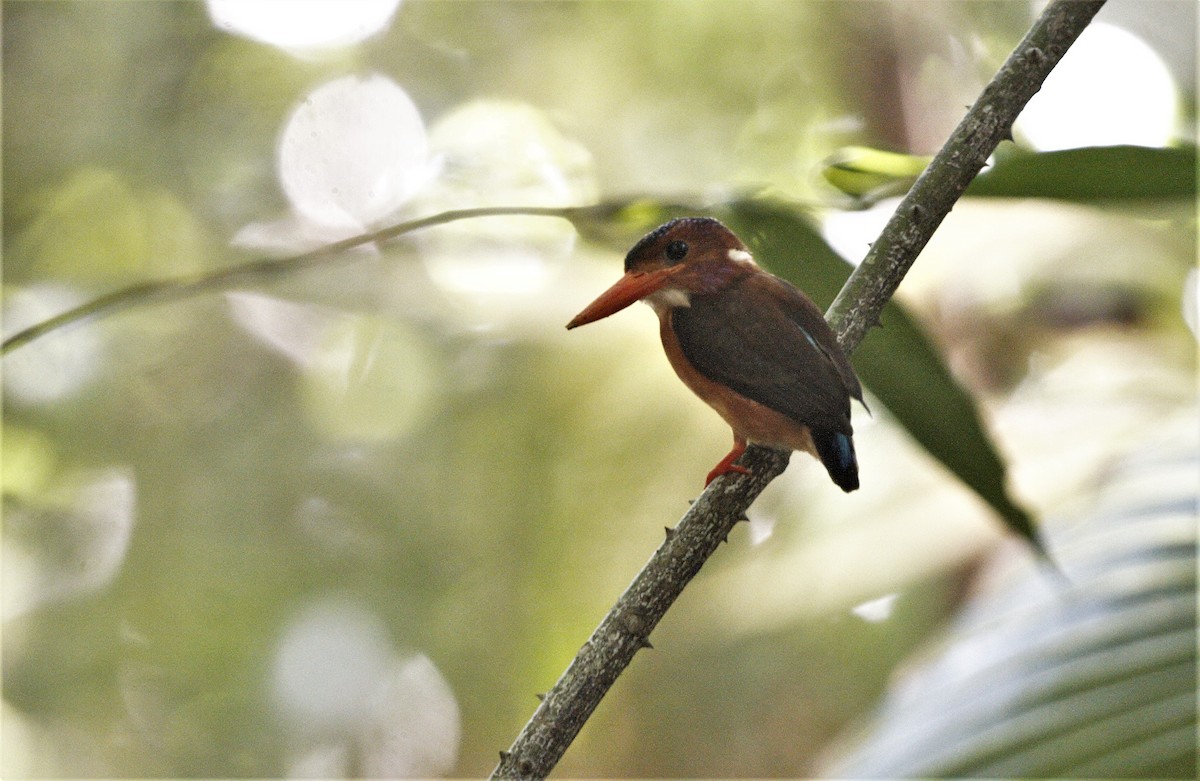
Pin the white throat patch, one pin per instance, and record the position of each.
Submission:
(668, 298)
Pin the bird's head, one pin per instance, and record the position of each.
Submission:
(682, 258)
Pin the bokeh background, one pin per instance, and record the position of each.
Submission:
(347, 521)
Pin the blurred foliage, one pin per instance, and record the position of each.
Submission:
(1095, 678)
(1087, 174)
(184, 483)
(1115, 173)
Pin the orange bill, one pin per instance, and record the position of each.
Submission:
(629, 289)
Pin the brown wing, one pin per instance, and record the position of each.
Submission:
(764, 339)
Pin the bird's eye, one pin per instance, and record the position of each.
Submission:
(676, 251)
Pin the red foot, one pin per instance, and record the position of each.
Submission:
(726, 465)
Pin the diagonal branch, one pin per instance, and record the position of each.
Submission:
(624, 631)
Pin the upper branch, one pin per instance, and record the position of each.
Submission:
(988, 122)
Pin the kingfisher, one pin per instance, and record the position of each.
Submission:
(749, 344)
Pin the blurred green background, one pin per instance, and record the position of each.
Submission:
(348, 521)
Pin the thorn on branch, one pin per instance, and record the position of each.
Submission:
(670, 531)
(541, 696)
(635, 624)
(504, 755)
(644, 642)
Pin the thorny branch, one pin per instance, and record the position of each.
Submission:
(626, 628)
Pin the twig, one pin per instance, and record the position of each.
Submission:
(180, 287)
(626, 628)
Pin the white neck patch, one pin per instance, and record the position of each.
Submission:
(741, 256)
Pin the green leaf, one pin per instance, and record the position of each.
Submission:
(897, 363)
(1107, 173)
(872, 174)
(1092, 680)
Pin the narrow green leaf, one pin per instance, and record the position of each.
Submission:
(872, 174)
(897, 363)
(1107, 173)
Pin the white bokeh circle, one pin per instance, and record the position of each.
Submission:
(353, 152)
(1111, 88)
(303, 25)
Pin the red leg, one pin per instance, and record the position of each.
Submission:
(726, 465)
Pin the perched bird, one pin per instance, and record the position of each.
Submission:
(749, 344)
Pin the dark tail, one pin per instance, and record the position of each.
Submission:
(837, 454)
